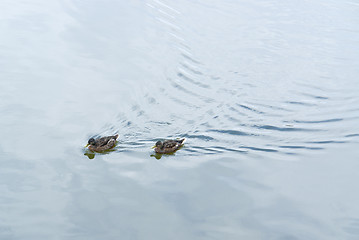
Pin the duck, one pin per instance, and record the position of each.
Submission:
(102, 144)
(168, 146)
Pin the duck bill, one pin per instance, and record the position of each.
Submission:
(87, 145)
(153, 147)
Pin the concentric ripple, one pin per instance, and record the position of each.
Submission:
(224, 100)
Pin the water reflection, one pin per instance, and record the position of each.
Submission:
(91, 155)
(248, 83)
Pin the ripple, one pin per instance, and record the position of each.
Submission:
(184, 77)
(219, 107)
(186, 56)
(226, 149)
(197, 150)
(327, 142)
(249, 108)
(320, 121)
(352, 135)
(183, 89)
(201, 137)
(186, 65)
(301, 147)
(167, 7)
(260, 149)
(286, 129)
(315, 96)
(236, 111)
(273, 108)
(231, 132)
(301, 103)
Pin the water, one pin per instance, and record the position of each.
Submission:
(266, 93)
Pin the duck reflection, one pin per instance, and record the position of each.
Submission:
(91, 155)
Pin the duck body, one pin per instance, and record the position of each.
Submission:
(102, 144)
(168, 146)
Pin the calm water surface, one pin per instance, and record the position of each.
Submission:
(266, 93)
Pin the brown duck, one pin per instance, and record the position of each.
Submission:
(102, 144)
(168, 146)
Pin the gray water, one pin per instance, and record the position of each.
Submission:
(266, 93)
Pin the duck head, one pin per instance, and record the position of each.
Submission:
(159, 144)
(91, 141)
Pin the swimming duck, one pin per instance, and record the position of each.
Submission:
(168, 146)
(102, 144)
